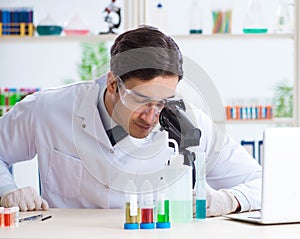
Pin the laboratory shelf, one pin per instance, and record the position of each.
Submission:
(73, 38)
(285, 121)
(111, 37)
(220, 36)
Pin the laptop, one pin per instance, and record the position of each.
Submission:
(280, 202)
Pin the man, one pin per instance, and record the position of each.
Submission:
(68, 128)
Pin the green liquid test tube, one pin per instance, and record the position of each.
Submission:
(163, 216)
(163, 207)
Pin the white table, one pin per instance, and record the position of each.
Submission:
(97, 223)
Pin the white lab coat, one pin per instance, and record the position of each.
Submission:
(80, 169)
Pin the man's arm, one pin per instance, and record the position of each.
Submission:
(17, 143)
(233, 176)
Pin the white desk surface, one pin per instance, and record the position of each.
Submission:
(97, 223)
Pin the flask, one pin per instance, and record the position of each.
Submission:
(131, 207)
(147, 206)
(48, 26)
(283, 18)
(254, 20)
(76, 26)
(196, 21)
(159, 18)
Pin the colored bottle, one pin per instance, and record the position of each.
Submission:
(2, 103)
(196, 26)
(147, 206)
(1, 216)
(163, 205)
(7, 218)
(131, 207)
(200, 185)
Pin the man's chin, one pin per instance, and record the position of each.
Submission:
(141, 133)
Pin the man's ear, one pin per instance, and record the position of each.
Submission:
(111, 84)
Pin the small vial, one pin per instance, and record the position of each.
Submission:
(1, 216)
(147, 206)
(163, 206)
(132, 212)
(7, 212)
(16, 215)
(12, 217)
(200, 186)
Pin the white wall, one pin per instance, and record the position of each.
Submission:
(48, 63)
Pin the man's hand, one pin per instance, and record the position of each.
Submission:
(220, 202)
(26, 199)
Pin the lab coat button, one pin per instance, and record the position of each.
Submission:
(112, 151)
(106, 186)
(83, 125)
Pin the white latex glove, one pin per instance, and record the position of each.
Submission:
(26, 199)
(219, 202)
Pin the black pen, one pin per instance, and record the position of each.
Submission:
(46, 218)
(31, 218)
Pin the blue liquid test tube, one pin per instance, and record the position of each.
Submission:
(200, 186)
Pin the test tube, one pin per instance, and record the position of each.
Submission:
(12, 216)
(2, 103)
(131, 207)
(16, 215)
(163, 206)
(7, 221)
(7, 99)
(147, 206)
(200, 186)
(1, 216)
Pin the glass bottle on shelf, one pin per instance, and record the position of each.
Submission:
(159, 17)
(284, 21)
(48, 26)
(196, 21)
(254, 19)
(76, 26)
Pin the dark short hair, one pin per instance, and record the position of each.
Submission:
(145, 53)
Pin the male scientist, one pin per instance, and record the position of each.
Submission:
(80, 165)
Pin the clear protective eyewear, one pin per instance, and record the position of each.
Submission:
(138, 102)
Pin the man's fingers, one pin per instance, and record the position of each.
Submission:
(45, 205)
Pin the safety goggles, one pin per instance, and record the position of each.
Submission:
(138, 102)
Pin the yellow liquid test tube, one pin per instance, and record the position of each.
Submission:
(132, 212)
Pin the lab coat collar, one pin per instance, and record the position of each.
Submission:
(87, 110)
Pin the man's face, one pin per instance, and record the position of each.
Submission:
(138, 103)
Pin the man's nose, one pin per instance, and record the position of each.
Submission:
(150, 115)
